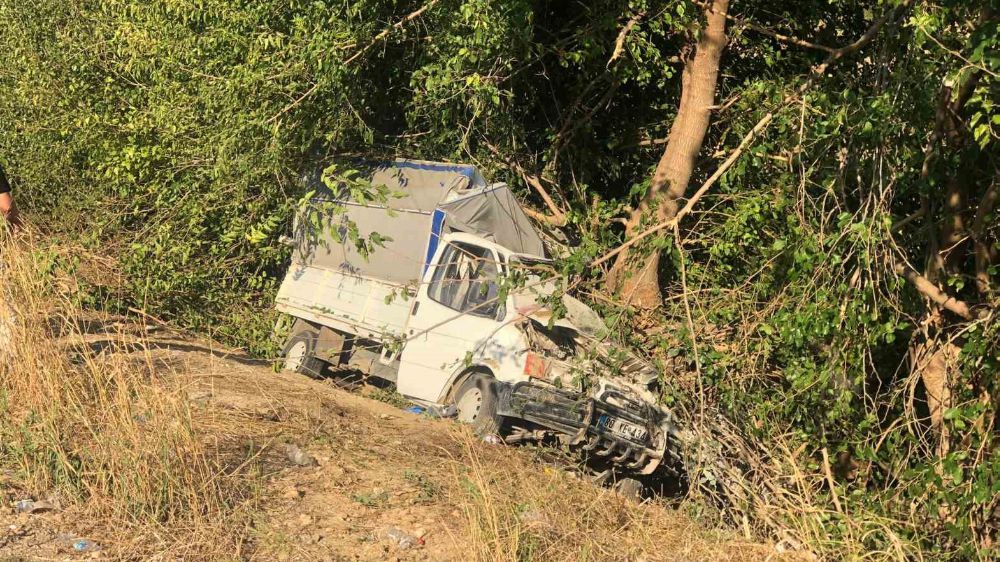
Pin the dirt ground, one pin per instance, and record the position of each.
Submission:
(347, 477)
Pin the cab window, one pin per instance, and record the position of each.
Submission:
(465, 280)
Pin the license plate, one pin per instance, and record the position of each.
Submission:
(622, 428)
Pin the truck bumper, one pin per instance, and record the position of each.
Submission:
(584, 421)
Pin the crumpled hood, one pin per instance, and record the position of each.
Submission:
(608, 360)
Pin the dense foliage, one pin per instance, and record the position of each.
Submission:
(169, 134)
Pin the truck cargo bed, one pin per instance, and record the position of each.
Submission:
(358, 305)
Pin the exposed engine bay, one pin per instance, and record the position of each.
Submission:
(591, 395)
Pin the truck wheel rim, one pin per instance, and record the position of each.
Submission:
(296, 356)
(469, 405)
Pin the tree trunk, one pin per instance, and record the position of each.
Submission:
(938, 365)
(674, 170)
(984, 256)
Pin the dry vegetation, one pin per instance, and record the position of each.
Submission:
(555, 517)
(102, 429)
(159, 453)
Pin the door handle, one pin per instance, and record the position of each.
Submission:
(416, 307)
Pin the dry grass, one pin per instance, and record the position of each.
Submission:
(516, 510)
(100, 429)
(780, 492)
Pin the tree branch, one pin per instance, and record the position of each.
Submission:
(385, 32)
(932, 292)
(733, 157)
(623, 34)
(783, 38)
(547, 219)
(898, 225)
(558, 217)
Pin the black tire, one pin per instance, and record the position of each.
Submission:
(477, 401)
(299, 355)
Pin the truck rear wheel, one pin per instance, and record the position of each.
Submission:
(300, 352)
(476, 402)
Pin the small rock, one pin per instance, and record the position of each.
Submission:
(305, 520)
(294, 493)
(298, 456)
(401, 538)
(200, 398)
(266, 414)
(29, 506)
(492, 439)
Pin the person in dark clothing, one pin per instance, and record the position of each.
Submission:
(7, 208)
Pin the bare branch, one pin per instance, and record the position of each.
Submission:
(558, 217)
(547, 219)
(623, 34)
(932, 292)
(385, 32)
(898, 225)
(783, 38)
(733, 157)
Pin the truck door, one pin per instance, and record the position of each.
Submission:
(454, 317)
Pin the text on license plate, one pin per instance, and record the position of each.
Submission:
(622, 428)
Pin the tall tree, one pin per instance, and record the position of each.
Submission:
(637, 278)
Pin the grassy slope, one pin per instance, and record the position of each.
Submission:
(157, 445)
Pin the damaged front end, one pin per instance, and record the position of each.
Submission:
(593, 397)
(612, 423)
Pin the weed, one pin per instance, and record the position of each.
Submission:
(372, 499)
(427, 490)
(389, 396)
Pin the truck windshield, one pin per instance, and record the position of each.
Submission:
(466, 280)
(535, 281)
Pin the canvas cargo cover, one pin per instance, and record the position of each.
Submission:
(495, 214)
(433, 199)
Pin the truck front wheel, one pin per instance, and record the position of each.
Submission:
(300, 353)
(476, 402)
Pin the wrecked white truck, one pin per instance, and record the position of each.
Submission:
(435, 311)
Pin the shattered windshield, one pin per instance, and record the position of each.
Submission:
(533, 284)
(540, 292)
